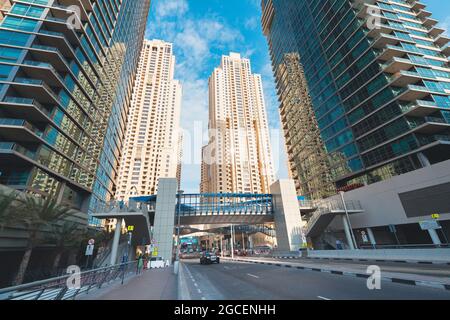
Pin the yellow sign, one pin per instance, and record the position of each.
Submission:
(436, 216)
(130, 228)
(155, 252)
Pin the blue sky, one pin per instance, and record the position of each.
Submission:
(203, 30)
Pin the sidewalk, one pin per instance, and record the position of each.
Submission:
(155, 284)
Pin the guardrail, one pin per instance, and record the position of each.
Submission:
(64, 288)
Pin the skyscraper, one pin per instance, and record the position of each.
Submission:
(238, 158)
(152, 146)
(378, 77)
(65, 89)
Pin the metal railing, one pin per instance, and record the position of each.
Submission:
(332, 206)
(403, 246)
(63, 288)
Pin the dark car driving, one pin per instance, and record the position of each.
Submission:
(209, 258)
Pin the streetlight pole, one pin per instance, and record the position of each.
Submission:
(232, 242)
(348, 220)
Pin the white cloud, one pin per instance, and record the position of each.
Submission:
(446, 25)
(167, 8)
(252, 23)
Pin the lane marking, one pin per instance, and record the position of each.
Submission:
(252, 275)
(323, 298)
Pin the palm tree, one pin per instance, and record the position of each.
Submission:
(7, 210)
(37, 214)
(66, 235)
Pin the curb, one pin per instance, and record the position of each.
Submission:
(429, 284)
(365, 260)
(183, 291)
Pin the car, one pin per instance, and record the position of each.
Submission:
(157, 263)
(209, 258)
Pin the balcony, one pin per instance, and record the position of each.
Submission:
(420, 108)
(397, 64)
(415, 92)
(391, 52)
(35, 89)
(442, 40)
(14, 147)
(435, 32)
(19, 130)
(428, 125)
(441, 138)
(25, 108)
(404, 78)
(43, 71)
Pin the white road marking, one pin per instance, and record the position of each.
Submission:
(323, 298)
(252, 275)
(199, 291)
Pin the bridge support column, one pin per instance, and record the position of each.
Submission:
(288, 221)
(165, 213)
(348, 232)
(115, 244)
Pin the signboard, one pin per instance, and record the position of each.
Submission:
(130, 228)
(89, 250)
(435, 216)
(364, 237)
(430, 225)
(155, 252)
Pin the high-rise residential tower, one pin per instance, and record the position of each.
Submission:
(152, 148)
(378, 77)
(238, 158)
(67, 70)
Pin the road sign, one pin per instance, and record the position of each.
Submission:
(130, 228)
(435, 216)
(89, 250)
(430, 225)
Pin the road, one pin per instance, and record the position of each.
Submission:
(236, 281)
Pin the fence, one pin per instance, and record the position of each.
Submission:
(62, 288)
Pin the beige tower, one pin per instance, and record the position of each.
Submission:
(238, 158)
(153, 140)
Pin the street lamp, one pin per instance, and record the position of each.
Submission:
(348, 220)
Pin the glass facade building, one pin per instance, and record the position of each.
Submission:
(379, 81)
(66, 74)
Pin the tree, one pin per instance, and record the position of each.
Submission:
(36, 214)
(7, 209)
(65, 235)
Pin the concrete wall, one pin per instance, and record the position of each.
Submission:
(165, 217)
(381, 200)
(433, 255)
(288, 221)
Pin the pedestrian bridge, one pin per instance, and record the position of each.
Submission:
(217, 208)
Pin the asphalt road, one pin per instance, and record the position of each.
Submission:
(235, 281)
